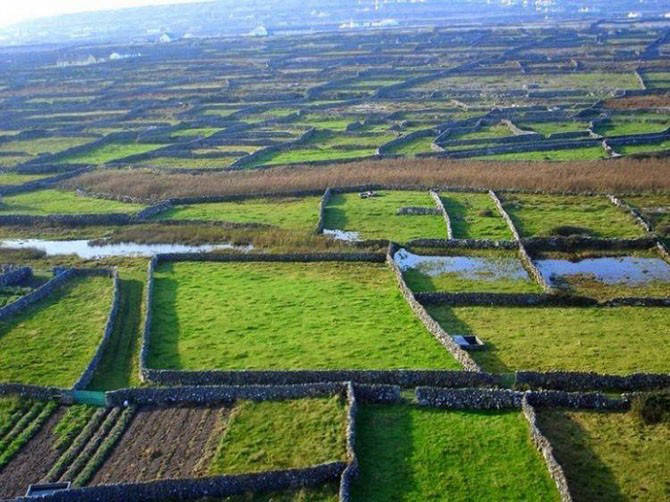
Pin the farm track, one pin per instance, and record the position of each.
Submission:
(162, 444)
(32, 462)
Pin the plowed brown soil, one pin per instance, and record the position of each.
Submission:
(162, 443)
(33, 462)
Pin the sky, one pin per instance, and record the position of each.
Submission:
(14, 11)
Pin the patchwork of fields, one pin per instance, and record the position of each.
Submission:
(374, 265)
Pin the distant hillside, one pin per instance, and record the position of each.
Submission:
(260, 17)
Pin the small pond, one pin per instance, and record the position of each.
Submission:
(342, 235)
(609, 270)
(87, 250)
(469, 267)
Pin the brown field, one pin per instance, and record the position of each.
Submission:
(163, 443)
(32, 462)
(632, 102)
(622, 175)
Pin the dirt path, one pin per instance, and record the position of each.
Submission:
(33, 461)
(161, 443)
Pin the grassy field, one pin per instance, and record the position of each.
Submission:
(544, 215)
(474, 216)
(270, 435)
(300, 214)
(53, 341)
(190, 163)
(648, 148)
(564, 155)
(494, 131)
(10, 178)
(499, 272)
(610, 456)
(119, 366)
(39, 146)
(50, 201)
(605, 340)
(109, 152)
(549, 128)
(203, 132)
(621, 127)
(286, 316)
(418, 145)
(656, 208)
(376, 218)
(412, 453)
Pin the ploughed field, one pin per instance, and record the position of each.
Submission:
(286, 316)
(93, 446)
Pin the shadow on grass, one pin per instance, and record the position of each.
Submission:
(589, 478)
(118, 367)
(457, 213)
(335, 216)
(165, 329)
(384, 449)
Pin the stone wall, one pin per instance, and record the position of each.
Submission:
(40, 183)
(526, 260)
(463, 243)
(567, 244)
(37, 295)
(323, 203)
(563, 380)
(72, 220)
(207, 394)
(517, 299)
(33, 391)
(200, 488)
(14, 275)
(544, 447)
(401, 377)
(154, 210)
(88, 373)
(351, 470)
(278, 257)
(431, 325)
(440, 206)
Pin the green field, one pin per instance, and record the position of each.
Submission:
(647, 148)
(610, 456)
(567, 154)
(195, 132)
(10, 178)
(50, 201)
(376, 218)
(656, 208)
(549, 128)
(545, 215)
(39, 146)
(474, 216)
(189, 162)
(412, 453)
(52, 342)
(272, 435)
(286, 316)
(620, 340)
(621, 127)
(418, 145)
(109, 153)
(300, 214)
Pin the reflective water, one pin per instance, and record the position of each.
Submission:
(342, 235)
(469, 267)
(609, 270)
(84, 249)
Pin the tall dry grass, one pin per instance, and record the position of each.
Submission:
(622, 175)
(633, 102)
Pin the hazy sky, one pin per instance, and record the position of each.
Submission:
(13, 11)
